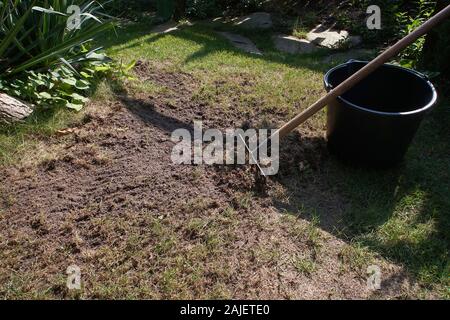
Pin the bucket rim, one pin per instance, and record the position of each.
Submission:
(389, 65)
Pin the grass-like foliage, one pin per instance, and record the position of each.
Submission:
(46, 53)
(36, 34)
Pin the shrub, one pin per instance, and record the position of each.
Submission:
(208, 8)
(119, 8)
(44, 61)
(351, 15)
(202, 8)
(60, 87)
(35, 36)
(411, 55)
(440, 42)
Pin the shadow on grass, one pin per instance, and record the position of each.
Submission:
(127, 31)
(147, 112)
(212, 42)
(401, 213)
(14, 138)
(205, 35)
(36, 122)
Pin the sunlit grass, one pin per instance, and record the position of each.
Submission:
(401, 215)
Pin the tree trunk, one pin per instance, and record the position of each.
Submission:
(13, 110)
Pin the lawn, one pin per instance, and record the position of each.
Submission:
(104, 195)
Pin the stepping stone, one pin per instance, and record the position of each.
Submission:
(326, 37)
(342, 57)
(257, 20)
(241, 42)
(293, 45)
(165, 27)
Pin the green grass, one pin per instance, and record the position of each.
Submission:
(292, 81)
(19, 141)
(356, 257)
(300, 33)
(401, 215)
(306, 266)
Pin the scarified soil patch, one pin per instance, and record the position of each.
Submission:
(138, 226)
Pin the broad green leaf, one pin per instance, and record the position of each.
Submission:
(45, 95)
(78, 97)
(74, 106)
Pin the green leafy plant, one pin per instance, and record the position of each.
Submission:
(351, 15)
(128, 9)
(45, 50)
(410, 57)
(201, 8)
(35, 35)
(60, 87)
(63, 87)
(303, 24)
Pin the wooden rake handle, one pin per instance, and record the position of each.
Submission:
(364, 72)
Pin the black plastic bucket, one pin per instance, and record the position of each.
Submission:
(374, 122)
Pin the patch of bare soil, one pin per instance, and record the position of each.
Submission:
(139, 226)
